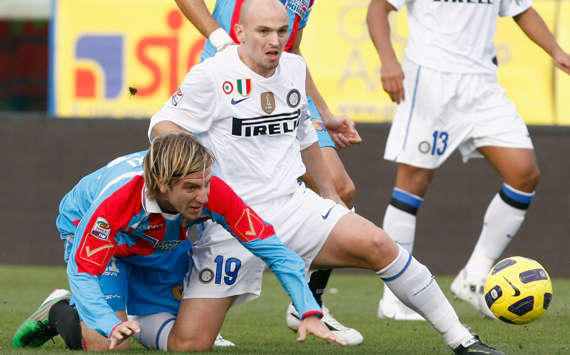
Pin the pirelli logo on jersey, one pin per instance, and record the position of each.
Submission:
(269, 125)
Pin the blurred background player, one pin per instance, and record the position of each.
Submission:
(449, 98)
(219, 29)
(138, 209)
(263, 144)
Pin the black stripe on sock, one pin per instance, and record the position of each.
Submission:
(404, 206)
(509, 201)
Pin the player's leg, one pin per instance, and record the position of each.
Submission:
(400, 224)
(423, 134)
(190, 334)
(344, 186)
(343, 183)
(503, 218)
(56, 316)
(94, 341)
(357, 242)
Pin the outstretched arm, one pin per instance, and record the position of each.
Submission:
(391, 73)
(341, 128)
(534, 27)
(198, 14)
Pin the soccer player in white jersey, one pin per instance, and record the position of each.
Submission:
(217, 27)
(263, 142)
(449, 98)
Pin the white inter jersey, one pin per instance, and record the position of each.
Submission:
(256, 127)
(456, 35)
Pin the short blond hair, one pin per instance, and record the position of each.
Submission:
(172, 157)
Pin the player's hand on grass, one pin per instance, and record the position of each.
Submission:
(562, 60)
(342, 131)
(313, 325)
(392, 78)
(122, 332)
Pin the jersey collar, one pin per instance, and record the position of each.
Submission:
(151, 206)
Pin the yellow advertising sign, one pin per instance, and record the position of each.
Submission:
(344, 62)
(346, 68)
(561, 79)
(102, 48)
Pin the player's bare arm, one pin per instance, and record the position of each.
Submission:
(318, 170)
(313, 325)
(198, 14)
(164, 128)
(532, 24)
(122, 332)
(341, 128)
(391, 72)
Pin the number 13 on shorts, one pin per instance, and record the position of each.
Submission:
(439, 144)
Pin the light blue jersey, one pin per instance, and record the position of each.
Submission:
(123, 239)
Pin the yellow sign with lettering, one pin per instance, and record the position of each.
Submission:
(125, 59)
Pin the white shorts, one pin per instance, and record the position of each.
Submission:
(446, 111)
(222, 267)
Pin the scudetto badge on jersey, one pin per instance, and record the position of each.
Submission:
(101, 229)
(268, 102)
(293, 98)
(244, 86)
(177, 97)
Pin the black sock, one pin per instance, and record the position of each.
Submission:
(65, 320)
(318, 283)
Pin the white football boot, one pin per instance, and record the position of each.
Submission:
(471, 291)
(391, 307)
(349, 335)
(222, 342)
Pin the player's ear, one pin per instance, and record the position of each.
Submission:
(162, 187)
(240, 32)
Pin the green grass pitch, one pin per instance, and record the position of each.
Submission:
(258, 327)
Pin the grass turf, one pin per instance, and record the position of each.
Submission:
(258, 327)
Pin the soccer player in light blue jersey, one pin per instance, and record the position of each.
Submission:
(126, 227)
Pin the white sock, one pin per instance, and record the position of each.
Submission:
(401, 227)
(500, 224)
(155, 329)
(416, 287)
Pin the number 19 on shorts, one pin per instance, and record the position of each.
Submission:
(226, 270)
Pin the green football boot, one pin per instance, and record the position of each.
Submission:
(35, 330)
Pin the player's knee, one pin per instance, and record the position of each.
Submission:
(381, 250)
(414, 180)
(527, 180)
(347, 191)
(193, 343)
(532, 178)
